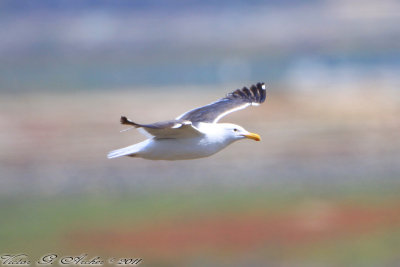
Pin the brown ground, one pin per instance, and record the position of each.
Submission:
(242, 233)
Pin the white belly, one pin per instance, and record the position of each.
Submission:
(180, 149)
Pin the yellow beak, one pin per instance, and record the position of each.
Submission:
(253, 136)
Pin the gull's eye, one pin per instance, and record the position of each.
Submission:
(235, 130)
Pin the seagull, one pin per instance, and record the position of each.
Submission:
(196, 133)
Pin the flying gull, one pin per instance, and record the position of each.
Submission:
(196, 133)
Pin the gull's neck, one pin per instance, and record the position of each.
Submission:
(215, 132)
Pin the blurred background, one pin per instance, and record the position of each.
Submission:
(321, 189)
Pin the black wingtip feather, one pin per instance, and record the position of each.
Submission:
(238, 93)
(254, 89)
(124, 120)
(248, 93)
(262, 91)
(256, 93)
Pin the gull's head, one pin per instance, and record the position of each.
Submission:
(236, 132)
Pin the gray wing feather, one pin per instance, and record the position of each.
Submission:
(166, 129)
(239, 99)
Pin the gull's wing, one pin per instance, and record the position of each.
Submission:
(166, 129)
(237, 100)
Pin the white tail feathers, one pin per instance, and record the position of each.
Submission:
(126, 151)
